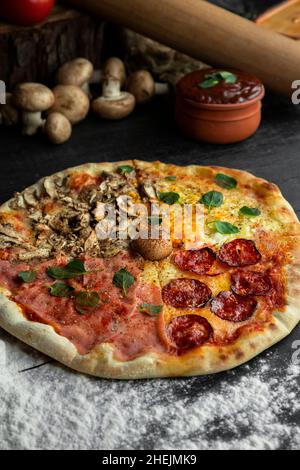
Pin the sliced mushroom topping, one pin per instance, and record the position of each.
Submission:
(39, 253)
(30, 198)
(50, 187)
(91, 244)
(9, 231)
(149, 190)
(17, 202)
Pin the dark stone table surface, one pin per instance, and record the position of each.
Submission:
(255, 406)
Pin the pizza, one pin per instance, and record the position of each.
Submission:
(100, 270)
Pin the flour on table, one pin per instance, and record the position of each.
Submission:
(52, 407)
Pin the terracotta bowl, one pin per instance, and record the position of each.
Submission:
(218, 123)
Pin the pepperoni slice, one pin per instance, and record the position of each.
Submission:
(186, 293)
(232, 307)
(239, 252)
(189, 331)
(196, 261)
(250, 283)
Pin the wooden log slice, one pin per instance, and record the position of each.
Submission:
(35, 53)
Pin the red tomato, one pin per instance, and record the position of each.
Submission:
(26, 12)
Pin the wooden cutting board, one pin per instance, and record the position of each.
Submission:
(283, 18)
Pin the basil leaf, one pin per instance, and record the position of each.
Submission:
(27, 276)
(169, 198)
(225, 228)
(86, 301)
(250, 211)
(226, 182)
(124, 280)
(124, 169)
(228, 77)
(60, 289)
(72, 269)
(155, 220)
(150, 309)
(213, 79)
(170, 178)
(212, 199)
(209, 82)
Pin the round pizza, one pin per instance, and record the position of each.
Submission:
(136, 270)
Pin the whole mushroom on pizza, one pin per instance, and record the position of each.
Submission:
(121, 308)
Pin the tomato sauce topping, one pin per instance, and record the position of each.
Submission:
(244, 87)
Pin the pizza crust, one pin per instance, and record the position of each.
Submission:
(101, 361)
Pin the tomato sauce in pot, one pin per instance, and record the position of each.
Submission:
(208, 86)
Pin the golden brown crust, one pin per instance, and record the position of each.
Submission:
(207, 359)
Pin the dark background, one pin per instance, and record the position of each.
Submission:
(150, 134)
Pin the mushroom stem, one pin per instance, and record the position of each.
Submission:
(32, 121)
(162, 89)
(111, 88)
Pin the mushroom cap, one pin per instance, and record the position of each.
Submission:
(114, 69)
(114, 108)
(58, 128)
(33, 97)
(76, 72)
(153, 250)
(141, 84)
(72, 102)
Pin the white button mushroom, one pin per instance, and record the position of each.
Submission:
(114, 69)
(32, 99)
(141, 84)
(70, 101)
(58, 128)
(9, 115)
(152, 249)
(76, 72)
(114, 103)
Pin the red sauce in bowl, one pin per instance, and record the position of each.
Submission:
(245, 88)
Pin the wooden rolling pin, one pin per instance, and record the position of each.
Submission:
(208, 33)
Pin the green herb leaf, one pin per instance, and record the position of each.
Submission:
(170, 178)
(228, 77)
(225, 228)
(27, 276)
(124, 169)
(213, 79)
(226, 182)
(151, 309)
(124, 280)
(209, 82)
(60, 289)
(169, 198)
(72, 269)
(250, 211)
(86, 301)
(212, 199)
(155, 220)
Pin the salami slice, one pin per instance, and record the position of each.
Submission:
(186, 293)
(189, 331)
(250, 283)
(239, 252)
(196, 261)
(232, 307)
